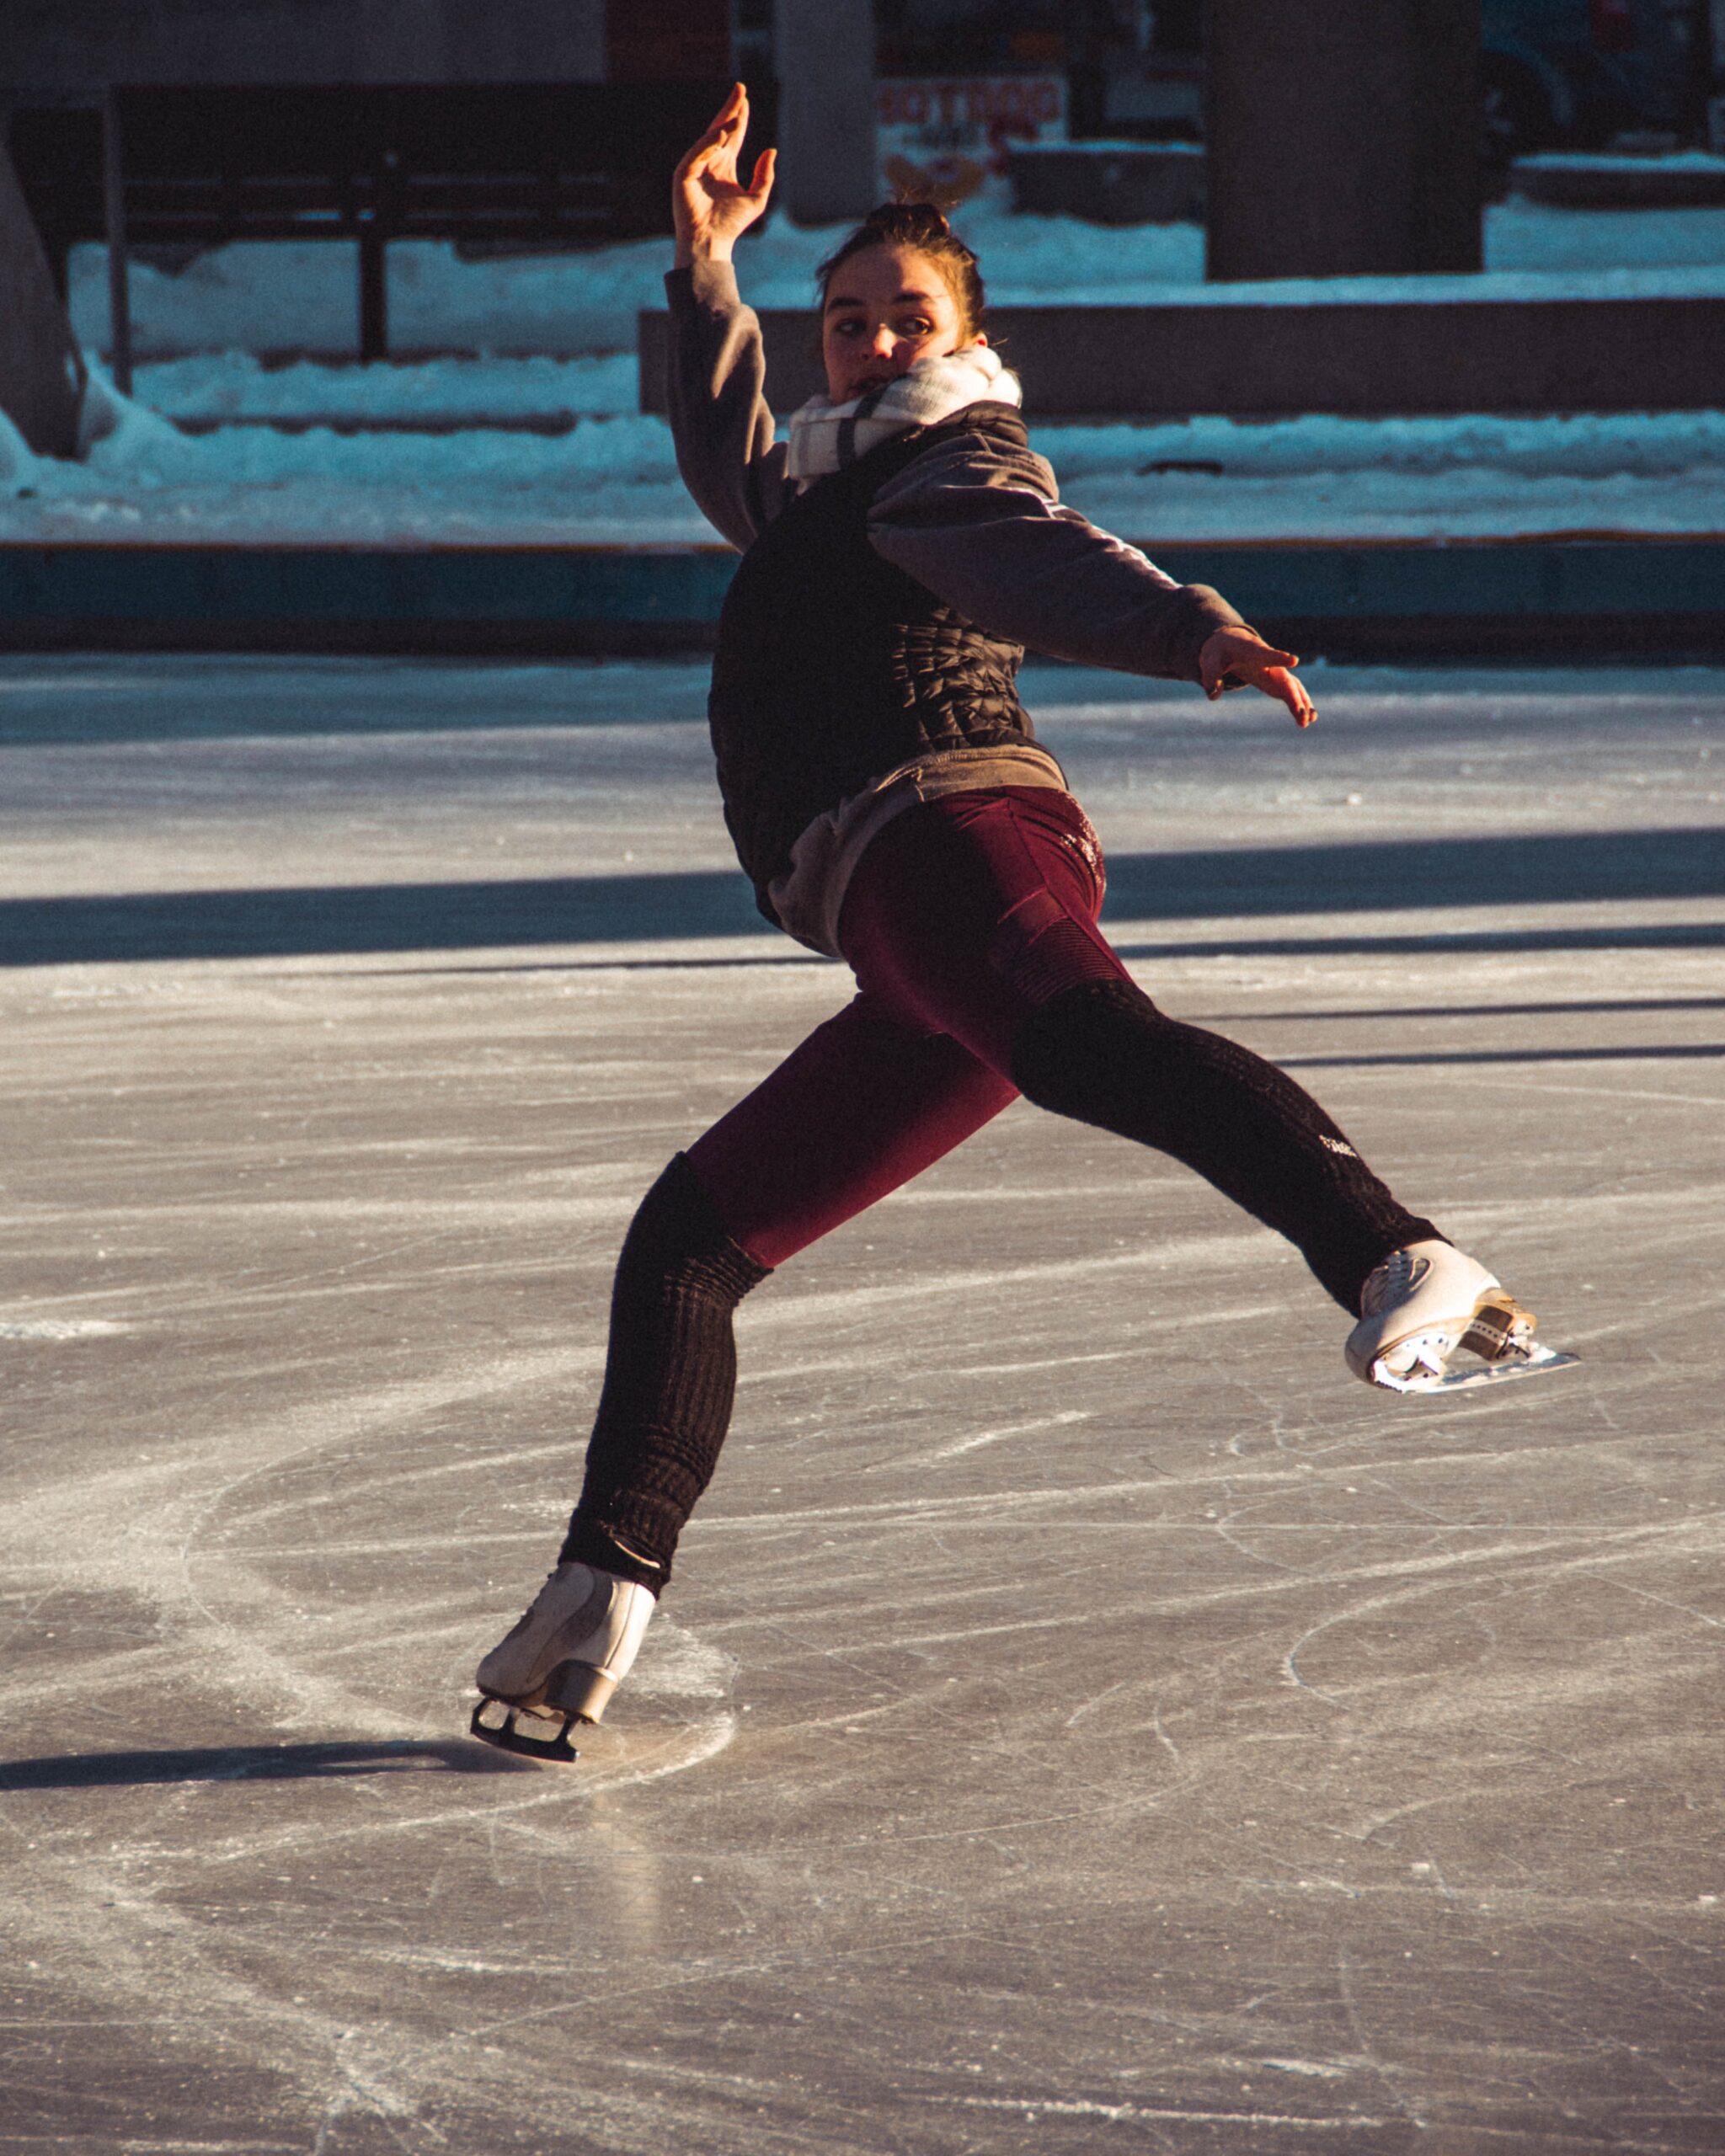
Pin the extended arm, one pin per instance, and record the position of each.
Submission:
(982, 525)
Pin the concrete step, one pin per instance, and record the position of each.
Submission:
(1444, 353)
(1597, 593)
(1598, 179)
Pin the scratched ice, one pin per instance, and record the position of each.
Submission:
(1085, 1718)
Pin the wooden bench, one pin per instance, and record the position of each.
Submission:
(533, 164)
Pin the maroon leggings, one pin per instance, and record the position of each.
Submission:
(970, 924)
(963, 916)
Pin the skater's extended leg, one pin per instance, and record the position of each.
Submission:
(1103, 1053)
(978, 913)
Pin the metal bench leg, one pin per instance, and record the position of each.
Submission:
(374, 296)
(119, 281)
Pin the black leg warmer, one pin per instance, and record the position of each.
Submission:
(669, 1377)
(1102, 1053)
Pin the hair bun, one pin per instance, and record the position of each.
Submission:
(942, 186)
(910, 221)
(915, 202)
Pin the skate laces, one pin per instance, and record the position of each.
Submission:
(1388, 1283)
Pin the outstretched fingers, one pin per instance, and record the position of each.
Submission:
(723, 137)
(1278, 681)
(1272, 672)
(1236, 657)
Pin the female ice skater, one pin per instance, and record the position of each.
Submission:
(892, 808)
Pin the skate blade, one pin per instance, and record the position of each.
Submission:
(1528, 1362)
(507, 1735)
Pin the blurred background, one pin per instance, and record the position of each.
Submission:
(309, 272)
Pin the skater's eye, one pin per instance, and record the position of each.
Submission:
(849, 327)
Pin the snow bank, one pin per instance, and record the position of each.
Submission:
(1585, 446)
(301, 295)
(610, 477)
(227, 385)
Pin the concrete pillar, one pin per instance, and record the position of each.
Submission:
(824, 59)
(41, 374)
(1343, 137)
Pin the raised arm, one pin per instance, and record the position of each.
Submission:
(720, 420)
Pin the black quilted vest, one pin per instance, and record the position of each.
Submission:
(833, 666)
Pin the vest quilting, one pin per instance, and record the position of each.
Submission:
(833, 666)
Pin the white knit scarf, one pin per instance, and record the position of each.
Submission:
(826, 437)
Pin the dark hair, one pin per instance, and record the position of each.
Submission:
(921, 226)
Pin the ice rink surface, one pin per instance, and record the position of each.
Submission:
(1085, 1718)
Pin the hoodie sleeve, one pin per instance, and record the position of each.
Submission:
(719, 421)
(982, 526)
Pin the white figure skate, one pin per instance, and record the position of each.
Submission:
(1424, 1303)
(561, 1662)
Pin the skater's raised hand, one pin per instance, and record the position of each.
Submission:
(1238, 657)
(710, 205)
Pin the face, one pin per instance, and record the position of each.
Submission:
(886, 307)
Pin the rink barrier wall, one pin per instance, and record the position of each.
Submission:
(1366, 360)
(1600, 594)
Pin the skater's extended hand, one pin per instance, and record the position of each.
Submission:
(1239, 657)
(710, 207)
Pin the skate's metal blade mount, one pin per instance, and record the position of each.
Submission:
(547, 1738)
(1525, 1362)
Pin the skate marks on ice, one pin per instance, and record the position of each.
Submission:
(183, 1889)
(969, 1805)
(59, 1328)
(209, 1535)
(934, 1831)
(1386, 1674)
(1218, 1757)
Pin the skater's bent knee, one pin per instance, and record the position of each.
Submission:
(1078, 1040)
(677, 1238)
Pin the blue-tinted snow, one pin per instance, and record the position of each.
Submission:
(611, 478)
(275, 297)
